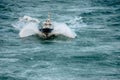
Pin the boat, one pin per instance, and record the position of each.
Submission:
(47, 27)
(46, 30)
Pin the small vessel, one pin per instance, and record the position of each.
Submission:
(30, 26)
(47, 27)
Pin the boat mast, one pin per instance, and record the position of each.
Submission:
(49, 15)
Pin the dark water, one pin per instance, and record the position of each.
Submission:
(93, 55)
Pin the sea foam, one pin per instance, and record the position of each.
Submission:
(30, 26)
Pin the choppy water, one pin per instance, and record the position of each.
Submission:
(93, 55)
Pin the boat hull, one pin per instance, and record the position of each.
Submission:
(46, 32)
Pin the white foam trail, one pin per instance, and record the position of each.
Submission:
(63, 29)
(25, 20)
(29, 29)
(28, 19)
(27, 25)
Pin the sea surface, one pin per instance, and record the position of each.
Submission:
(93, 55)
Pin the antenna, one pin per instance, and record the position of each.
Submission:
(49, 15)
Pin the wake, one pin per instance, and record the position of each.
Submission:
(28, 26)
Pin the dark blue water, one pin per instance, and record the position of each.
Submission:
(93, 55)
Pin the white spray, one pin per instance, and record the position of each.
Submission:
(30, 26)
